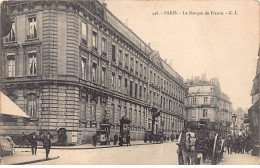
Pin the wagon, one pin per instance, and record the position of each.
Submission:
(195, 145)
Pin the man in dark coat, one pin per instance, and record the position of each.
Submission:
(128, 140)
(115, 138)
(47, 144)
(229, 143)
(94, 140)
(33, 140)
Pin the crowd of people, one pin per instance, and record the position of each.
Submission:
(238, 144)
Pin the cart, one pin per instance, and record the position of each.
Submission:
(198, 144)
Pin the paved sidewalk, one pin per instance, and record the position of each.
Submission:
(21, 158)
(239, 159)
(24, 156)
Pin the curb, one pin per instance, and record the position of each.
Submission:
(102, 147)
(35, 161)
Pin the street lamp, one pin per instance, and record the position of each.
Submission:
(234, 117)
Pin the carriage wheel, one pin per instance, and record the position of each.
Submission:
(214, 152)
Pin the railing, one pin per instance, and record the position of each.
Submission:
(31, 36)
(9, 39)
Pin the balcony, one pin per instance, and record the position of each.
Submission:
(8, 39)
(31, 36)
(104, 54)
(94, 48)
(126, 66)
(83, 41)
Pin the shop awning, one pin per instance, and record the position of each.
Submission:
(8, 107)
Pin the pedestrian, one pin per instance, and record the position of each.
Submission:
(115, 138)
(229, 144)
(47, 144)
(128, 140)
(33, 140)
(94, 140)
(236, 144)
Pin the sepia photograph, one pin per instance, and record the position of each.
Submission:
(130, 82)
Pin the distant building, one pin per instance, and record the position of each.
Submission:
(206, 102)
(240, 120)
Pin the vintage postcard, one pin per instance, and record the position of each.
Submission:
(129, 82)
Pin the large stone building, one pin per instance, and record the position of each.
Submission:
(254, 110)
(73, 64)
(205, 102)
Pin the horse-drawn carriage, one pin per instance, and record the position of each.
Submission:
(199, 143)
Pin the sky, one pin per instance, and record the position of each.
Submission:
(222, 46)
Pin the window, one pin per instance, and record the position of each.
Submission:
(32, 63)
(154, 78)
(131, 88)
(193, 101)
(32, 32)
(84, 32)
(132, 64)
(205, 113)
(93, 111)
(113, 53)
(94, 40)
(144, 119)
(140, 91)
(119, 83)
(135, 90)
(32, 107)
(136, 67)
(126, 90)
(11, 66)
(113, 81)
(120, 57)
(141, 69)
(135, 117)
(125, 111)
(112, 114)
(212, 101)
(151, 75)
(126, 61)
(104, 46)
(83, 68)
(94, 72)
(119, 113)
(144, 93)
(130, 114)
(144, 72)
(205, 100)
(103, 76)
(140, 118)
(11, 36)
(83, 109)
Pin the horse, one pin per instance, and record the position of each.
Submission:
(189, 148)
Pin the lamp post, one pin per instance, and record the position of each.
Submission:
(234, 117)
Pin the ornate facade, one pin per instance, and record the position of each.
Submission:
(73, 64)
